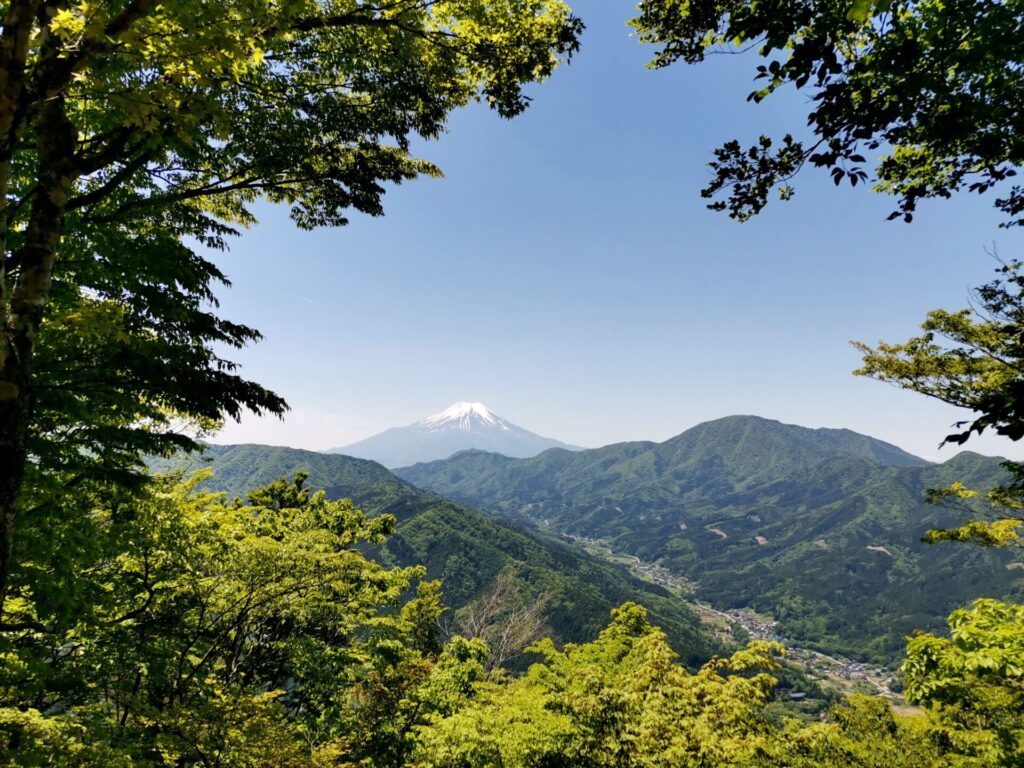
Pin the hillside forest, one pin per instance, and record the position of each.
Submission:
(168, 603)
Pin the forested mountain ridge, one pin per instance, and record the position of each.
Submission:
(240, 468)
(820, 528)
(740, 449)
(464, 548)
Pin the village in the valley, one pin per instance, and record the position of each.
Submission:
(842, 673)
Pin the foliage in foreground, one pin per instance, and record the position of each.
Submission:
(928, 90)
(215, 633)
(256, 633)
(972, 359)
(621, 701)
(468, 551)
(973, 683)
(135, 136)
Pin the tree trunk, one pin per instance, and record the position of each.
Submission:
(34, 262)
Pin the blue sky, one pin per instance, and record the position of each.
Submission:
(566, 273)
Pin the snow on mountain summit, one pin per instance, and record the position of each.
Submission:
(464, 415)
(462, 426)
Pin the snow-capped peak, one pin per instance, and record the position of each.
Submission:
(463, 415)
(459, 427)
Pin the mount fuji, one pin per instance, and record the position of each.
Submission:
(457, 428)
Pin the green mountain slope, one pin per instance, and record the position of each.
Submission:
(464, 548)
(820, 528)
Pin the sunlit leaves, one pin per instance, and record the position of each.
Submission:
(184, 114)
(620, 700)
(972, 358)
(972, 682)
(208, 629)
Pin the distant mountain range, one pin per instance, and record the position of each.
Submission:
(464, 548)
(459, 427)
(819, 527)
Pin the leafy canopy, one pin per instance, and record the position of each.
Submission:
(179, 115)
(622, 701)
(972, 683)
(135, 137)
(930, 91)
(202, 632)
(974, 359)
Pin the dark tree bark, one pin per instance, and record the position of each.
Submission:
(26, 306)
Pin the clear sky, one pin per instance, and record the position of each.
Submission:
(566, 273)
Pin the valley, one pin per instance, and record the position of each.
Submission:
(820, 528)
(766, 530)
(737, 625)
(466, 549)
